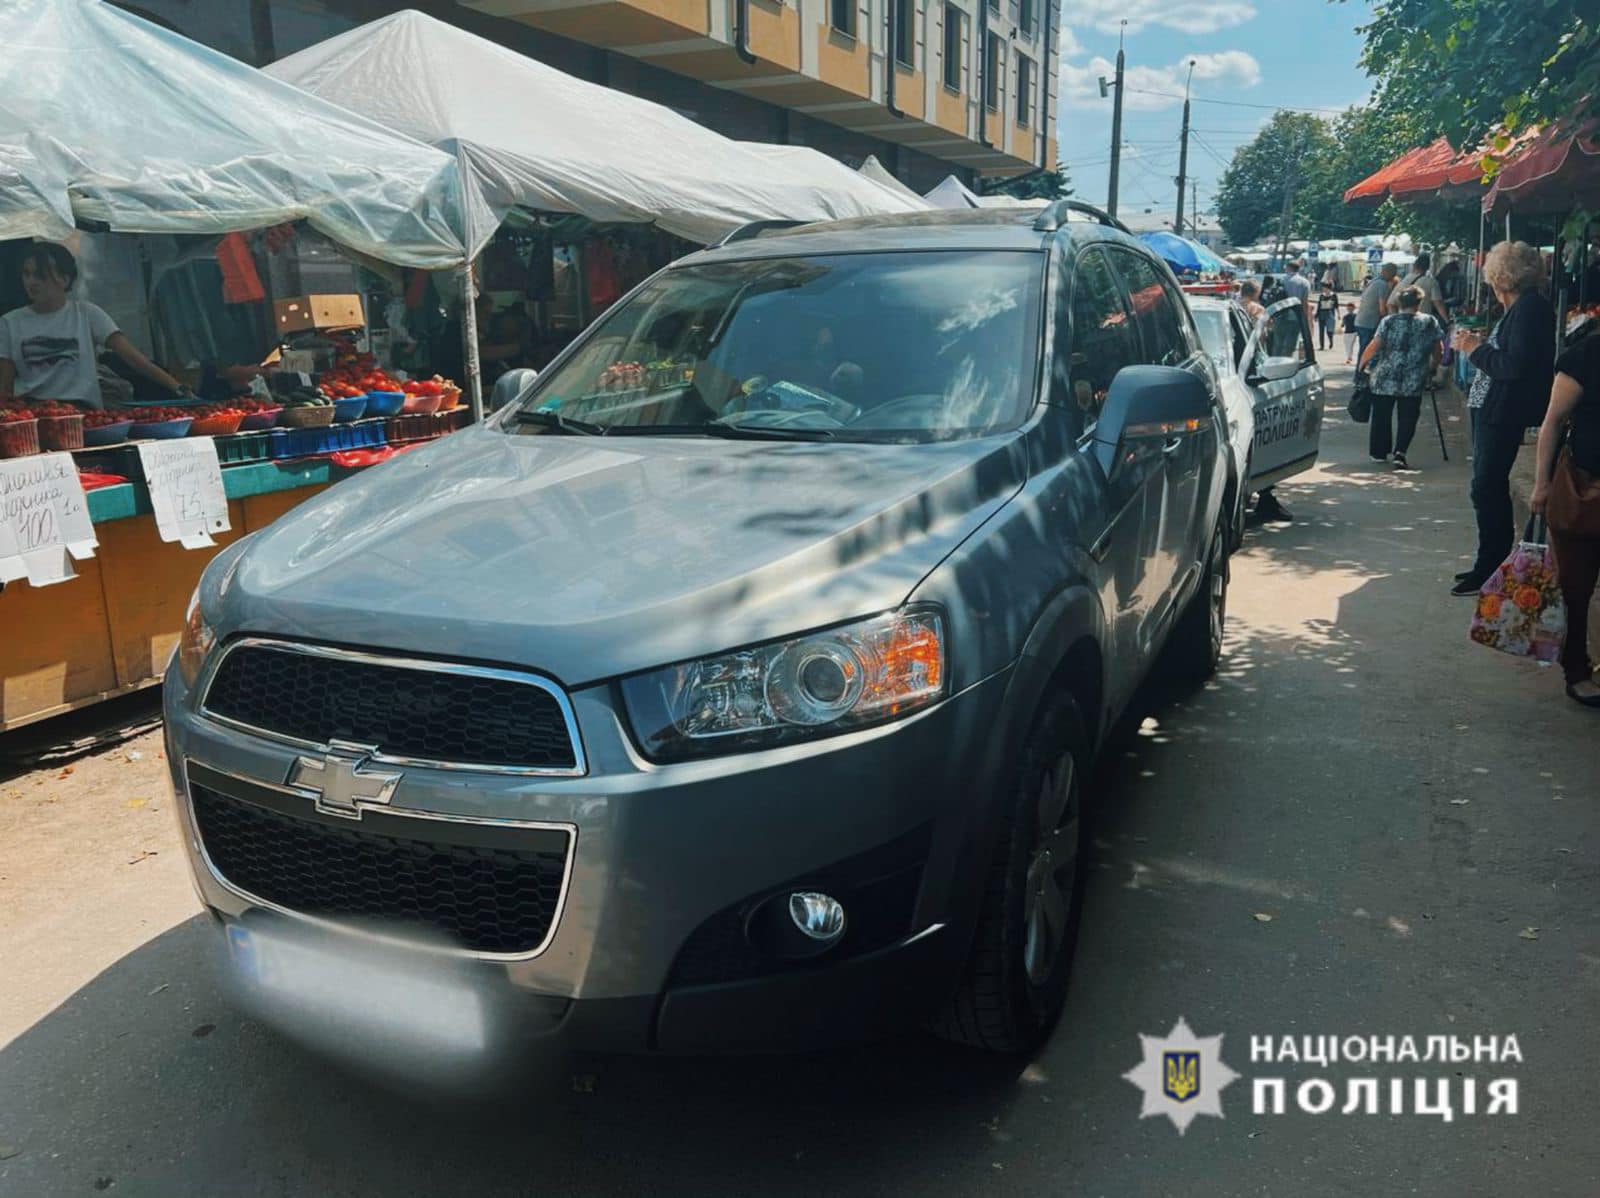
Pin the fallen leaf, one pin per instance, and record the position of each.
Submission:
(1529, 934)
(143, 853)
(136, 803)
(66, 772)
(1263, 917)
(7, 1151)
(204, 1030)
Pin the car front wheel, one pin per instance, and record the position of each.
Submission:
(1015, 981)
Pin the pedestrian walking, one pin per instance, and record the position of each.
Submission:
(1421, 277)
(1399, 360)
(1517, 368)
(1567, 494)
(1327, 313)
(1348, 324)
(1374, 304)
(1297, 285)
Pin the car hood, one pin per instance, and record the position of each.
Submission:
(586, 558)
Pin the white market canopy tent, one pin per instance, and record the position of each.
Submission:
(951, 192)
(530, 136)
(823, 168)
(107, 118)
(881, 175)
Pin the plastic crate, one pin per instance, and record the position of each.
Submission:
(315, 442)
(60, 432)
(405, 429)
(19, 438)
(238, 448)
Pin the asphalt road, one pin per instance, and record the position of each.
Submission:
(1416, 814)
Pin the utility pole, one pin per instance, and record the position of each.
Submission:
(1290, 183)
(1116, 125)
(1183, 154)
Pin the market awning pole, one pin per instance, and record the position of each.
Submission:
(1477, 267)
(469, 342)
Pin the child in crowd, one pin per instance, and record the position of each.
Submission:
(1349, 326)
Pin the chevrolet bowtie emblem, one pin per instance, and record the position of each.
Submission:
(341, 781)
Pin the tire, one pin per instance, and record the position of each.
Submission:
(1015, 981)
(1195, 650)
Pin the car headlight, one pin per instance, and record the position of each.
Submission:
(815, 685)
(196, 641)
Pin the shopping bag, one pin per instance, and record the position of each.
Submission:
(1360, 405)
(1519, 607)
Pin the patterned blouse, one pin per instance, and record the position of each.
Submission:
(1401, 367)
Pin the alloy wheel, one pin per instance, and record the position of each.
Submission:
(1052, 869)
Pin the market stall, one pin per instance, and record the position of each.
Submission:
(561, 175)
(151, 157)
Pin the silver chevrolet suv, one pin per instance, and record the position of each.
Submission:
(736, 686)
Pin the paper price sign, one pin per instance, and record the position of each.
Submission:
(44, 519)
(185, 483)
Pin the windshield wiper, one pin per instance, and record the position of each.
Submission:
(723, 427)
(553, 419)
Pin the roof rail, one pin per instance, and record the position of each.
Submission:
(1053, 217)
(757, 227)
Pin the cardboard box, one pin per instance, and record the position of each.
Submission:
(319, 312)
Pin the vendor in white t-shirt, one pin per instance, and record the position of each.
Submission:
(48, 349)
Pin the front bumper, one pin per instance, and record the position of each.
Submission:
(665, 860)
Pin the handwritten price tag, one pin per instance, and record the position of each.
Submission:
(186, 492)
(44, 519)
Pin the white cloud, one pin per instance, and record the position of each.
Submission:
(1069, 46)
(1219, 73)
(1186, 16)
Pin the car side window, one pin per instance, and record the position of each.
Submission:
(1284, 336)
(1155, 312)
(1103, 340)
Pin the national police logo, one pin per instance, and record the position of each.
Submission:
(1182, 1076)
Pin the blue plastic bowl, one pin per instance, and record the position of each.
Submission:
(346, 410)
(107, 434)
(384, 403)
(160, 430)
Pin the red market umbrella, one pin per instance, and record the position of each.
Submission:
(1374, 189)
(1558, 169)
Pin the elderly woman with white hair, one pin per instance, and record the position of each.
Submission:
(1517, 361)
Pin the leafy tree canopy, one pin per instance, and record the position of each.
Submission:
(1467, 68)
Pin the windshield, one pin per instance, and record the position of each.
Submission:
(1216, 334)
(857, 347)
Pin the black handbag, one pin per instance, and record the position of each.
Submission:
(1360, 405)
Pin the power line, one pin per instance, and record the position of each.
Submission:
(1243, 103)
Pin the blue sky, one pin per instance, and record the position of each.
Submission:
(1293, 53)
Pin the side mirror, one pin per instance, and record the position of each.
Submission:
(1149, 401)
(1275, 370)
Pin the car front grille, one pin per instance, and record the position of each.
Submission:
(488, 889)
(412, 710)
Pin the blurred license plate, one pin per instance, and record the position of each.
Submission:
(425, 998)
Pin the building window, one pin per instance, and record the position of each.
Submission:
(904, 32)
(842, 16)
(1025, 18)
(1024, 89)
(953, 29)
(994, 62)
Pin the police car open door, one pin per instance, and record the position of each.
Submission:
(1286, 390)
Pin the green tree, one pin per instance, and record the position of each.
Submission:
(1284, 156)
(1035, 185)
(1465, 68)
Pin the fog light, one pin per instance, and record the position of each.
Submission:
(820, 917)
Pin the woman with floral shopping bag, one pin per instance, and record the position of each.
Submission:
(1567, 494)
